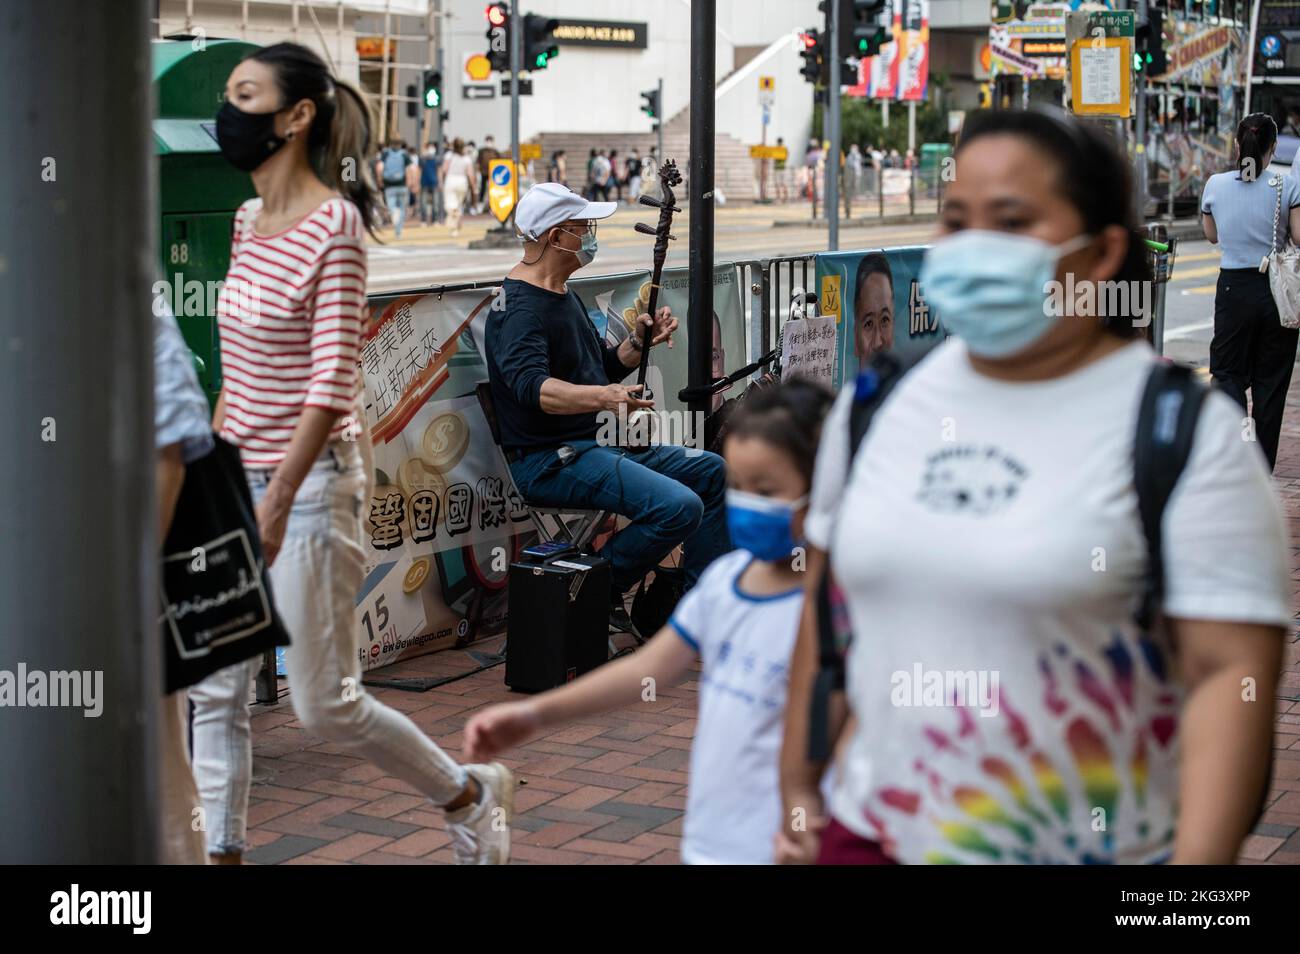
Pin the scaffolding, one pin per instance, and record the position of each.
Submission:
(404, 21)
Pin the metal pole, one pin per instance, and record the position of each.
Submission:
(1140, 129)
(699, 318)
(78, 547)
(383, 83)
(1250, 57)
(435, 60)
(833, 128)
(516, 67)
(659, 123)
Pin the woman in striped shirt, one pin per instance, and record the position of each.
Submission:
(290, 318)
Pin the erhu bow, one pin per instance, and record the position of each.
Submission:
(640, 423)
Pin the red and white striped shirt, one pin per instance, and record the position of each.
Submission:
(290, 317)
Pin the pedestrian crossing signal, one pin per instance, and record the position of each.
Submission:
(651, 105)
(539, 41)
(432, 89)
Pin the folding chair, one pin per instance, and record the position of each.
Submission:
(571, 525)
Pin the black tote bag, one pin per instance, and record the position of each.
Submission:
(217, 608)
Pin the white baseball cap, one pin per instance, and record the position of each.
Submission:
(549, 204)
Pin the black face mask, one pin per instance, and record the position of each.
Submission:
(246, 139)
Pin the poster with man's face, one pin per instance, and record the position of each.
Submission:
(879, 305)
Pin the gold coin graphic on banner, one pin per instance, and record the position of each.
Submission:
(416, 575)
(445, 441)
(644, 293)
(415, 475)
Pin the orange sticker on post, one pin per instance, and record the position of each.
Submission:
(1101, 76)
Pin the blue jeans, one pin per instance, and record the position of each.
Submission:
(671, 494)
(396, 197)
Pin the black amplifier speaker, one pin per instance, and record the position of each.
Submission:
(559, 620)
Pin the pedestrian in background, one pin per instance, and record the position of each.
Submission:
(1249, 212)
(987, 545)
(430, 195)
(483, 165)
(853, 171)
(392, 163)
(458, 181)
(633, 176)
(600, 174)
(556, 172)
(738, 622)
(617, 176)
(413, 183)
(182, 434)
(291, 404)
(780, 168)
(590, 193)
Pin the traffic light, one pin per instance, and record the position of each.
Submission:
(539, 41)
(432, 89)
(651, 105)
(813, 55)
(498, 35)
(873, 26)
(1149, 45)
(412, 107)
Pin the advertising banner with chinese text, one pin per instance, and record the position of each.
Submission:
(881, 306)
(442, 521)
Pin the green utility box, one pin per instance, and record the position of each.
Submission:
(930, 168)
(198, 190)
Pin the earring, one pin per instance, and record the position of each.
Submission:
(289, 134)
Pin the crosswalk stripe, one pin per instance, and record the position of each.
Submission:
(1183, 275)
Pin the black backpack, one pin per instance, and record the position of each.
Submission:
(1167, 416)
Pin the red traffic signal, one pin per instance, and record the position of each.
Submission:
(497, 14)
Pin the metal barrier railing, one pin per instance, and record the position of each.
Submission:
(877, 193)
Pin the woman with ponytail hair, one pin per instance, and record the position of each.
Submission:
(291, 317)
(1248, 212)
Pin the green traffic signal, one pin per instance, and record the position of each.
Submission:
(432, 98)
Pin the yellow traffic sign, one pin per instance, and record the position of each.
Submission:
(767, 83)
(503, 188)
(530, 150)
(780, 153)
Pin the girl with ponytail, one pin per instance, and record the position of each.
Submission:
(1248, 213)
(291, 318)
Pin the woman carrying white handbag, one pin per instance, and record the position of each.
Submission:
(1257, 300)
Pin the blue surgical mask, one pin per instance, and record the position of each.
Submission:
(761, 525)
(586, 253)
(991, 288)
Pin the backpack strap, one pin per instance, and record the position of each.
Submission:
(1171, 405)
(873, 386)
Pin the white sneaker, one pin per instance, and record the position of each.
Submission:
(480, 833)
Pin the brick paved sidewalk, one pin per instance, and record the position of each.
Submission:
(605, 790)
(1277, 838)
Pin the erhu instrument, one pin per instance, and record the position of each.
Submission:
(640, 424)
